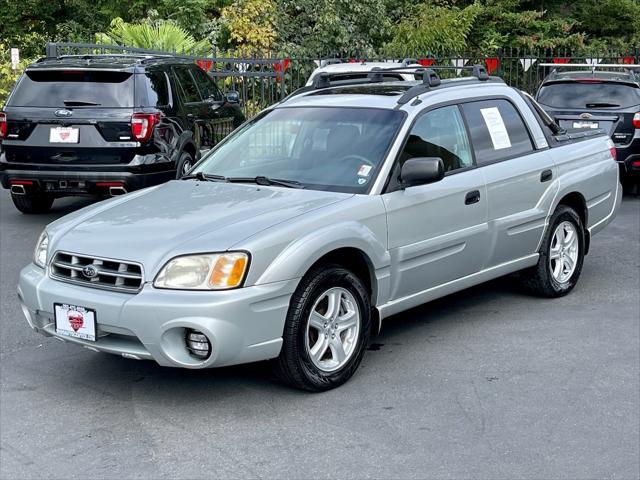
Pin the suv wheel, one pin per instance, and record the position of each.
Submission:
(561, 256)
(32, 202)
(184, 164)
(326, 331)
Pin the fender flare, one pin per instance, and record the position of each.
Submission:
(300, 255)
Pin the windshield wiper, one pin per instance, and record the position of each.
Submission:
(266, 181)
(601, 105)
(205, 177)
(80, 103)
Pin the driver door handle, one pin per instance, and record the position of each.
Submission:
(472, 197)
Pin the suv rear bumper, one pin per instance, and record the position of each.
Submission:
(64, 180)
(629, 158)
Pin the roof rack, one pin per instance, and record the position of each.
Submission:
(630, 68)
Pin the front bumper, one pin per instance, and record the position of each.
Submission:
(243, 325)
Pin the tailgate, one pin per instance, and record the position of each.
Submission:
(68, 117)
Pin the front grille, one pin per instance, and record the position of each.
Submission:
(97, 272)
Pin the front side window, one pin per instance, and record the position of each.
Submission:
(440, 133)
(334, 149)
(207, 87)
(188, 87)
(497, 130)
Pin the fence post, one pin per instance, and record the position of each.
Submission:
(51, 50)
(282, 85)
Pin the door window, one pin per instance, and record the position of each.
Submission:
(206, 85)
(440, 133)
(188, 88)
(497, 130)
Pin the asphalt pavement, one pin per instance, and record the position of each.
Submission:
(488, 383)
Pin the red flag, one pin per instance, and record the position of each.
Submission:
(205, 64)
(281, 66)
(426, 62)
(627, 60)
(492, 64)
(561, 60)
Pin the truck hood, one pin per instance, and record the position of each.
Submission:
(180, 217)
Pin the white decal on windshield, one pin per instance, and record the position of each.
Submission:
(496, 127)
(364, 170)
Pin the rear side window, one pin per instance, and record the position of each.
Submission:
(188, 86)
(588, 95)
(73, 88)
(158, 89)
(206, 85)
(497, 130)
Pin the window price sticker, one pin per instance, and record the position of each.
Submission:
(497, 129)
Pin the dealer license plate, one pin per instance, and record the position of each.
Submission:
(64, 135)
(75, 321)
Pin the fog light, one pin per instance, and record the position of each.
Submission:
(198, 344)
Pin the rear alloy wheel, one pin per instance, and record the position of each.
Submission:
(33, 202)
(326, 331)
(184, 165)
(561, 256)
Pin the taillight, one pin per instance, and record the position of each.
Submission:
(3, 125)
(142, 125)
(614, 153)
(636, 120)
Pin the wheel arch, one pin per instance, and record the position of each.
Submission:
(577, 202)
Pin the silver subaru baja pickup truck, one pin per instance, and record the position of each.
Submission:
(345, 203)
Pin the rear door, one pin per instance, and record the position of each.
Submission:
(71, 116)
(593, 103)
(520, 179)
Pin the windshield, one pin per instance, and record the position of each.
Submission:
(322, 148)
(588, 95)
(73, 88)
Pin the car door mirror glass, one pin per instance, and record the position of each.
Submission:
(233, 96)
(421, 170)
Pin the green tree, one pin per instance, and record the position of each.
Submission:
(250, 25)
(161, 35)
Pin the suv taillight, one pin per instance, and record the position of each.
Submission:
(142, 125)
(3, 125)
(636, 120)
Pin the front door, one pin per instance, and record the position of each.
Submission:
(437, 232)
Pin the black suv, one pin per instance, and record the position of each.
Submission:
(608, 100)
(107, 124)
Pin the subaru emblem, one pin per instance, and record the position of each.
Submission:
(585, 115)
(63, 112)
(90, 271)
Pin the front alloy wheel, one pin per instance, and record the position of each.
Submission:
(326, 331)
(332, 329)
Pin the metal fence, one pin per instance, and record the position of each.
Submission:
(264, 80)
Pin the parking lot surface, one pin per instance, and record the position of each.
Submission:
(486, 383)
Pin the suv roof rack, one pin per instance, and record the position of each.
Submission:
(630, 68)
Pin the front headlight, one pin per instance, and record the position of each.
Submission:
(215, 271)
(40, 253)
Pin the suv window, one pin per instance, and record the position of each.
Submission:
(158, 89)
(73, 88)
(588, 95)
(206, 85)
(440, 133)
(188, 88)
(497, 130)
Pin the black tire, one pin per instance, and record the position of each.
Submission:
(294, 365)
(539, 280)
(185, 159)
(33, 202)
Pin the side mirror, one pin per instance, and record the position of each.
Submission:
(421, 170)
(233, 96)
